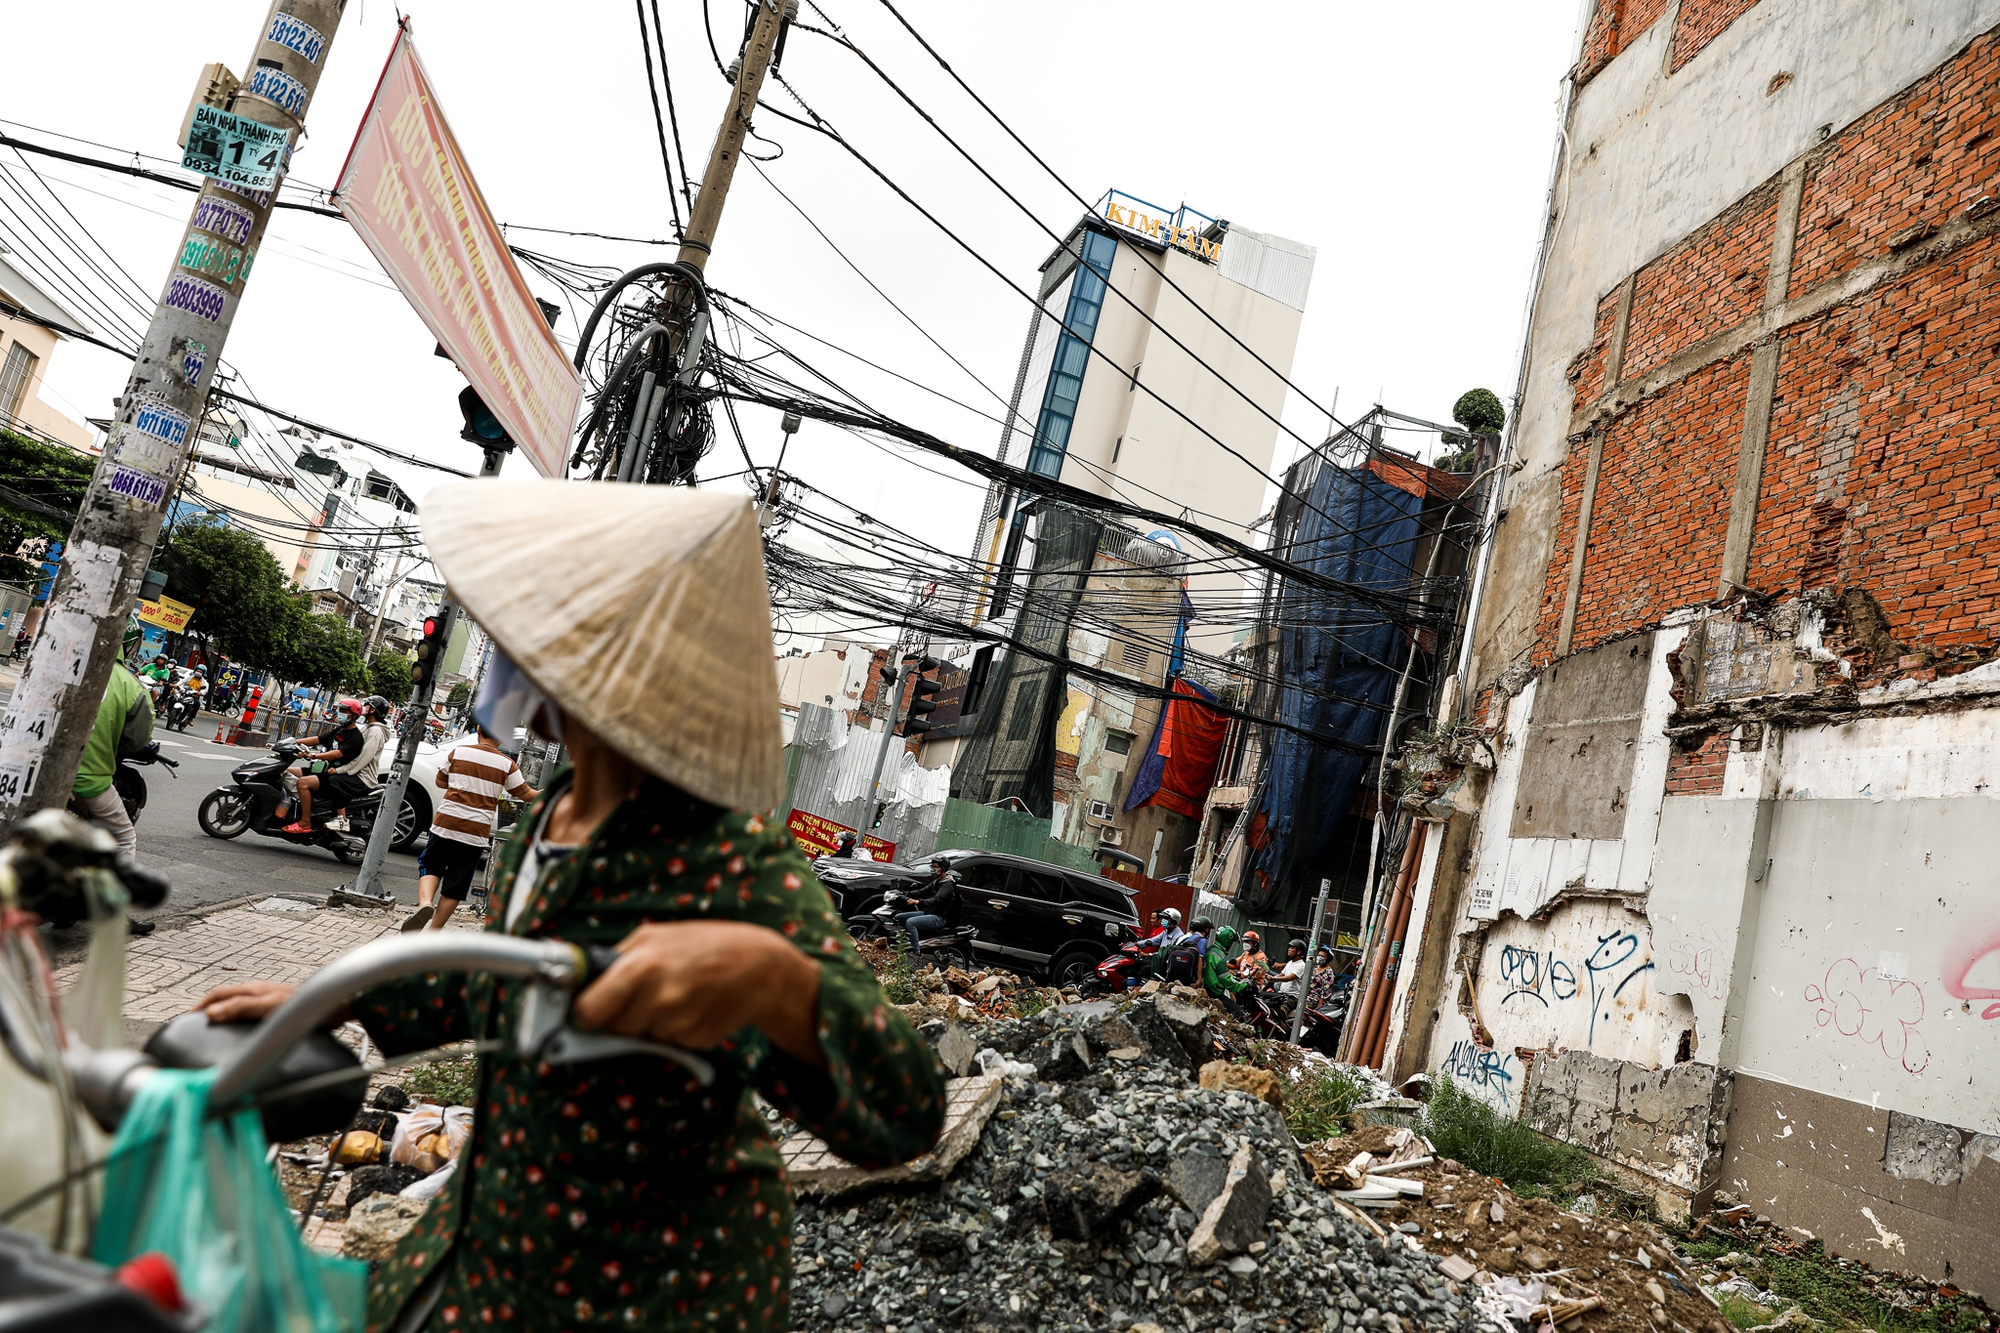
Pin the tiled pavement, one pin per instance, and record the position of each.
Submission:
(275, 939)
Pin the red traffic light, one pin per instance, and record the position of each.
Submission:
(430, 626)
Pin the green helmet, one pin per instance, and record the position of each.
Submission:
(1225, 937)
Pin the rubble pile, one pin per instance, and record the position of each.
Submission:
(1109, 1189)
(1528, 1256)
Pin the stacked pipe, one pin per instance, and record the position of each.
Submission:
(1372, 1019)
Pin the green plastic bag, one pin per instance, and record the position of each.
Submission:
(198, 1190)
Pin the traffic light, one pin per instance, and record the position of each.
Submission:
(920, 701)
(481, 426)
(430, 653)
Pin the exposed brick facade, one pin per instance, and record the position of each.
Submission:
(1701, 22)
(1698, 772)
(1882, 468)
(1656, 531)
(1708, 283)
(1614, 25)
(1911, 164)
(1885, 440)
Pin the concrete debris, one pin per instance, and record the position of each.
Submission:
(1262, 1084)
(377, 1224)
(1109, 1192)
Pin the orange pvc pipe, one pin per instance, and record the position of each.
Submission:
(1364, 1017)
(1396, 924)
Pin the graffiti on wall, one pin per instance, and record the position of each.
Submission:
(1692, 956)
(1876, 1010)
(1973, 974)
(1616, 962)
(1480, 1068)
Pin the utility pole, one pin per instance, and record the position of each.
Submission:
(699, 241)
(366, 889)
(54, 706)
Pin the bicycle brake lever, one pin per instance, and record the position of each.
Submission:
(568, 1046)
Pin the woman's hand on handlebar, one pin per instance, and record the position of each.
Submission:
(245, 1000)
(693, 983)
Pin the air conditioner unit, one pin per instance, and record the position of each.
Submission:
(1111, 837)
(1100, 810)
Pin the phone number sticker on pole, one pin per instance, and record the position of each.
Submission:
(235, 150)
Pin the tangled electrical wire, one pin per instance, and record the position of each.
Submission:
(649, 418)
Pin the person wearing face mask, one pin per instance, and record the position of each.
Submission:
(635, 627)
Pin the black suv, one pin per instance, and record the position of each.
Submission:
(1031, 916)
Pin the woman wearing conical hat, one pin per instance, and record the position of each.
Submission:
(635, 621)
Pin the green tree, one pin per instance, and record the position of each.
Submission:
(37, 478)
(460, 696)
(389, 675)
(320, 649)
(1480, 412)
(235, 586)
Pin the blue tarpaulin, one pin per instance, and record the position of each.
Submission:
(1358, 528)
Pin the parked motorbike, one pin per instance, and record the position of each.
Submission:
(949, 948)
(250, 803)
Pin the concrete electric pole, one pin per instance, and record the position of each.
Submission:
(153, 428)
(699, 241)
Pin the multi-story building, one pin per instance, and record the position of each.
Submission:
(25, 348)
(1128, 389)
(1721, 905)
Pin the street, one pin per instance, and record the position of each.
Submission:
(207, 871)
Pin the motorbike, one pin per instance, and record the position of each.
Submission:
(180, 707)
(1321, 1031)
(127, 782)
(250, 802)
(1131, 965)
(948, 948)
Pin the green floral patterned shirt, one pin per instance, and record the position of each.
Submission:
(620, 1192)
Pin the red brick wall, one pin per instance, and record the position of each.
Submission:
(1662, 506)
(1698, 772)
(1701, 22)
(1709, 282)
(1613, 27)
(1883, 470)
(1913, 163)
(1586, 371)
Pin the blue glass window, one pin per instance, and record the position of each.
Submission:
(1072, 356)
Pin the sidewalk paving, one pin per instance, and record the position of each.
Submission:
(275, 939)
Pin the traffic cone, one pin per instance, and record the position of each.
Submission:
(218, 733)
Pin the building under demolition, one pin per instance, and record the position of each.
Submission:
(1709, 887)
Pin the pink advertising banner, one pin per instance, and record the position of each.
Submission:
(407, 190)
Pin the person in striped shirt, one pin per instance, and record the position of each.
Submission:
(475, 775)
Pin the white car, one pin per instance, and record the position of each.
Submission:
(421, 796)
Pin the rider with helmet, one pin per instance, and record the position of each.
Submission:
(360, 774)
(340, 745)
(1216, 973)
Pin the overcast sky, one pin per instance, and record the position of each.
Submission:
(1410, 144)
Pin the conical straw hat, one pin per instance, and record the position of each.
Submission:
(641, 610)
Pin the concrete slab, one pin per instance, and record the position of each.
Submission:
(814, 1168)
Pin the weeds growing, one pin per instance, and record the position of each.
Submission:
(1836, 1295)
(446, 1082)
(1466, 1129)
(899, 980)
(1318, 1103)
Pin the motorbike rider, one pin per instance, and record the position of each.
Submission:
(155, 675)
(1167, 930)
(341, 744)
(1215, 973)
(1326, 981)
(360, 775)
(1287, 980)
(1253, 965)
(933, 906)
